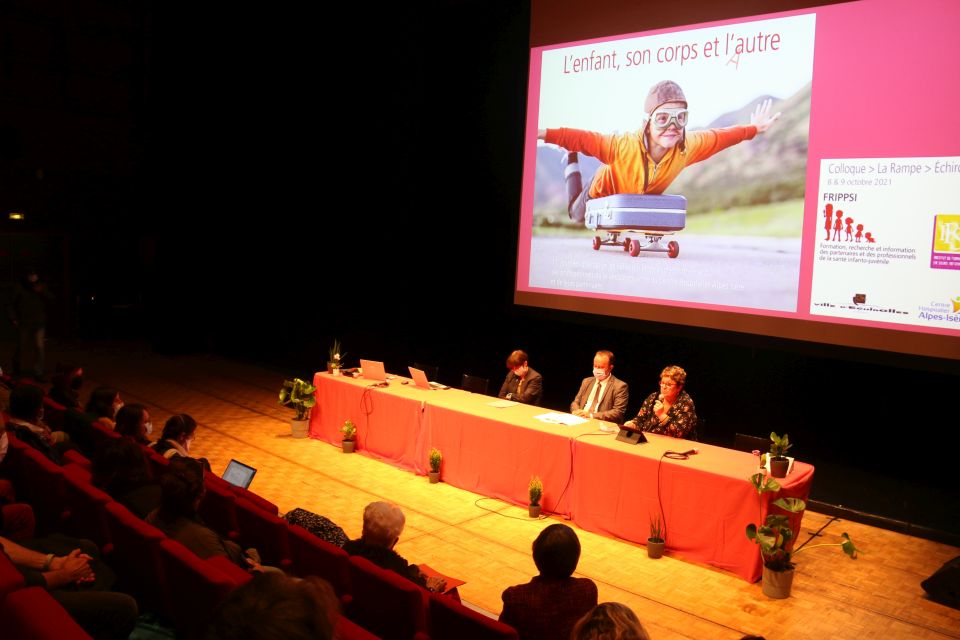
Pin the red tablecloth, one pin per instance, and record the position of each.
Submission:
(604, 485)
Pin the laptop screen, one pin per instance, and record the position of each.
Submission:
(373, 370)
(419, 378)
(239, 474)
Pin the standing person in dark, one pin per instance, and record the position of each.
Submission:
(28, 313)
(522, 383)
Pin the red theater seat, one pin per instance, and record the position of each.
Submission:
(219, 509)
(33, 614)
(10, 578)
(135, 555)
(315, 557)
(450, 620)
(85, 515)
(265, 532)
(384, 603)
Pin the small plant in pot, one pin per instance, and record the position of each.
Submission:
(656, 541)
(349, 431)
(436, 459)
(298, 394)
(535, 490)
(775, 539)
(778, 460)
(336, 356)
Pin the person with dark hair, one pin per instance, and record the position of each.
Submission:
(133, 422)
(120, 470)
(178, 434)
(602, 396)
(28, 314)
(548, 606)
(26, 421)
(669, 411)
(273, 605)
(103, 405)
(383, 523)
(67, 381)
(609, 621)
(522, 383)
(181, 491)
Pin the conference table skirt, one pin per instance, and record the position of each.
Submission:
(603, 485)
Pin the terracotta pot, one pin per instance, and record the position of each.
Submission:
(434, 477)
(348, 445)
(655, 548)
(534, 510)
(777, 584)
(299, 428)
(778, 468)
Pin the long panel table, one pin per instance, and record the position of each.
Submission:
(602, 484)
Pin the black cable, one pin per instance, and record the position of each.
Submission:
(673, 455)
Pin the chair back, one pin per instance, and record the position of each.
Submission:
(450, 620)
(86, 507)
(744, 442)
(265, 532)
(33, 613)
(315, 557)
(135, 555)
(385, 603)
(475, 384)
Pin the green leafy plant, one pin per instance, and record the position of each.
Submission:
(536, 490)
(779, 446)
(337, 356)
(298, 394)
(436, 458)
(775, 537)
(656, 528)
(349, 430)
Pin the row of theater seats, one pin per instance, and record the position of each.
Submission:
(169, 579)
(31, 612)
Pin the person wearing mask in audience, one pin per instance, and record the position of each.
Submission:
(273, 605)
(383, 523)
(181, 491)
(120, 470)
(26, 421)
(603, 396)
(133, 422)
(669, 411)
(178, 434)
(609, 621)
(550, 604)
(522, 383)
(67, 381)
(103, 405)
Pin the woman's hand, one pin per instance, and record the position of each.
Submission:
(761, 118)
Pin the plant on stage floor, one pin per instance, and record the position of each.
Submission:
(349, 430)
(436, 459)
(656, 541)
(535, 492)
(298, 394)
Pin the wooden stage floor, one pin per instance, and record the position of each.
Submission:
(487, 542)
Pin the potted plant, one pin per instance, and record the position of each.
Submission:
(336, 358)
(298, 394)
(349, 431)
(775, 539)
(778, 461)
(535, 490)
(436, 458)
(655, 542)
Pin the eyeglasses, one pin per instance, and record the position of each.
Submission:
(662, 118)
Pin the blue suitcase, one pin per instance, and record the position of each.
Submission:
(652, 216)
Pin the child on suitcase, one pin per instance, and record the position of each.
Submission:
(647, 161)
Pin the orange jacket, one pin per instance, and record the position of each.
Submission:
(623, 156)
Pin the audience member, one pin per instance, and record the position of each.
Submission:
(550, 604)
(103, 405)
(120, 470)
(669, 411)
(28, 314)
(26, 420)
(273, 606)
(178, 434)
(318, 525)
(67, 380)
(609, 621)
(602, 396)
(133, 421)
(181, 490)
(71, 571)
(383, 523)
(522, 383)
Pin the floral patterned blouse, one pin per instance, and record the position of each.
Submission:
(681, 417)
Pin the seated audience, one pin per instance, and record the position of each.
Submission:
(26, 421)
(522, 383)
(273, 605)
(71, 571)
(670, 410)
(383, 523)
(548, 606)
(609, 621)
(103, 405)
(178, 434)
(67, 381)
(133, 421)
(120, 470)
(318, 525)
(181, 490)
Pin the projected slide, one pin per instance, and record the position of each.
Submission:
(793, 175)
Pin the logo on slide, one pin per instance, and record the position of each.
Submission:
(859, 298)
(946, 242)
(956, 304)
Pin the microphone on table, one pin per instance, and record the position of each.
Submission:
(690, 452)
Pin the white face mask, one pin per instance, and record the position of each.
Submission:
(186, 445)
(600, 374)
(116, 407)
(148, 428)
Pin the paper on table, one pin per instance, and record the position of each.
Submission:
(501, 404)
(561, 418)
(452, 583)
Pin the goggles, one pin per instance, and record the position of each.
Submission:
(662, 118)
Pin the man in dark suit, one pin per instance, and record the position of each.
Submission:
(603, 396)
(522, 383)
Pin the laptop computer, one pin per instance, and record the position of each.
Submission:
(420, 380)
(373, 370)
(239, 474)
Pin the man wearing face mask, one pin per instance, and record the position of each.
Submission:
(522, 383)
(602, 396)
